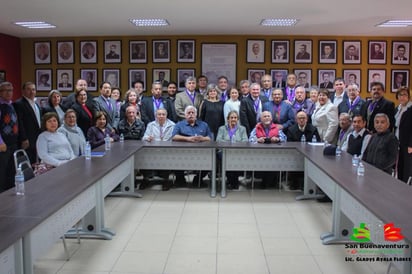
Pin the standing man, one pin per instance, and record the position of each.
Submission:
(282, 113)
(202, 84)
(151, 104)
(81, 84)
(106, 104)
(267, 86)
(171, 97)
(222, 86)
(289, 91)
(244, 89)
(187, 98)
(138, 87)
(379, 104)
(339, 95)
(301, 103)
(29, 120)
(354, 104)
(9, 133)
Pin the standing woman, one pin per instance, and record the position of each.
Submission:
(403, 123)
(211, 109)
(96, 134)
(83, 111)
(232, 104)
(73, 133)
(54, 104)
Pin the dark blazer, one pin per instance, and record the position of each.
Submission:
(382, 106)
(84, 122)
(50, 108)
(294, 134)
(405, 132)
(248, 113)
(332, 97)
(287, 116)
(359, 108)
(112, 117)
(147, 109)
(282, 84)
(71, 99)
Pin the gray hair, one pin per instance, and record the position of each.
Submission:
(190, 79)
(382, 115)
(189, 107)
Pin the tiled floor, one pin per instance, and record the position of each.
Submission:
(185, 231)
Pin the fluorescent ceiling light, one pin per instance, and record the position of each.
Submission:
(149, 22)
(35, 25)
(395, 23)
(281, 22)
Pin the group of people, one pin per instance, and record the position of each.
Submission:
(256, 113)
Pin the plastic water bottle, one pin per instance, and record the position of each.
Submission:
(355, 160)
(314, 140)
(88, 151)
(107, 142)
(303, 138)
(121, 138)
(338, 151)
(361, 169)
(19, 181)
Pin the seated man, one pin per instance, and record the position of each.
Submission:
(382, 149)
(191, 130)
(345, 129)
(302, 127)
(159, 130)
(358, 139)
(131, 127)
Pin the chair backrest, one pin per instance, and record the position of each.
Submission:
(27, 170)
(20, 156)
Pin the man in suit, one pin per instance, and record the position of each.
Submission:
(151, 104)
(351, 53)
(112, 53)
(339, 95)
(303, 79)
(281, 111)
(399, 81)
(379, 104)
(29, 119)
(354, 104)
(345, 125)
(202, 82)
(302, 54)
(251, 108)
(267, 86)
(400, 51)
(289, 90)
(64, 81)
(222, 86)
(107, 105)
(187, 97)
(326, 81)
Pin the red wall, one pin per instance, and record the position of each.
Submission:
(10, 61)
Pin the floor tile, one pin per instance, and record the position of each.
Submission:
(191, 263)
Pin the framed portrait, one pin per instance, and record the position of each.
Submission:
(377, 52)
(401, 52)
(399, 78)
(138, 52)
(303, 51)
(161, 51)
(42, 52)
(88, 52)
(113, 51)
(65, 52)
(182, 75)
(352, 76)
(327, 52)
(2, 76)
(186, 51)
(255, 75)
(219, 59)
(255, 51)
(64, 79)
(162, 76)
(280, 51)
(90, 75)
(326, 78)
(279, 77)
(352, 52)
(304, 77)
(137, 75)
(112, 76)
(43, 79)
(376, 75)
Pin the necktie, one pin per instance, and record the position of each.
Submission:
(109, 105)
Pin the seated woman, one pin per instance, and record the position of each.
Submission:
(97, 133)
(54, 104)
(53, 148)
(232, 132)
(73, 133)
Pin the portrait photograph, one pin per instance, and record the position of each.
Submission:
(326, 78)
(303, 51)
(162, 76)
(376, 75)
(352, 76)
(279, 77)
(138, 52)
(137, 75)
(352, 52)
(401, 52)
(44, 79)
(399, 78)
(377, 52)
(65, 52)
(112, 76)
(42, 52)
(304, 77)
(113, 51)
(2, 76)
(327, 52)
(280, 51)
(186, 51)
(64, 79)
(88, 52)
(161, 51)
(255, 75)
(255, 52)
(90, 75)
(182, 75)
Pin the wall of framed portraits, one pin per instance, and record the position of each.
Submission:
(59, 61)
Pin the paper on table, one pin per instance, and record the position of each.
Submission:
(98, 153)
(316, 144)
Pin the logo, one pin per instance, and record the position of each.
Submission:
(362, 233)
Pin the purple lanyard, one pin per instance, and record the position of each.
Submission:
(372, 106)
(267, 131)
(224, 97)
(297, 105)
(276, 111)
(231, 131)
(353, 103)
(290, 93)
(158, 103)
(192, 97)
(342, 133)
(161, 132)
(256, 104)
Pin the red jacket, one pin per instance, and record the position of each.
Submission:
(273, 131)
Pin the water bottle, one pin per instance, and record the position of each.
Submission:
(121, 138)
(314, 140)
(303, 138)
(361, 169)
(19, 181)
(88, 151)
(338, 151)
(355, 160)
(107, 142)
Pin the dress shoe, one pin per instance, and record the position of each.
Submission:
(143, 185)
(166, 185)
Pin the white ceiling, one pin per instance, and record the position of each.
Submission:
(204, 17)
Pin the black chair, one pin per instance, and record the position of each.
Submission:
(28, 171)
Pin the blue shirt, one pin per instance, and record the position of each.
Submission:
(200, 128)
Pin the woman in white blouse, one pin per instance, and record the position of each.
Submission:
(325, 117)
